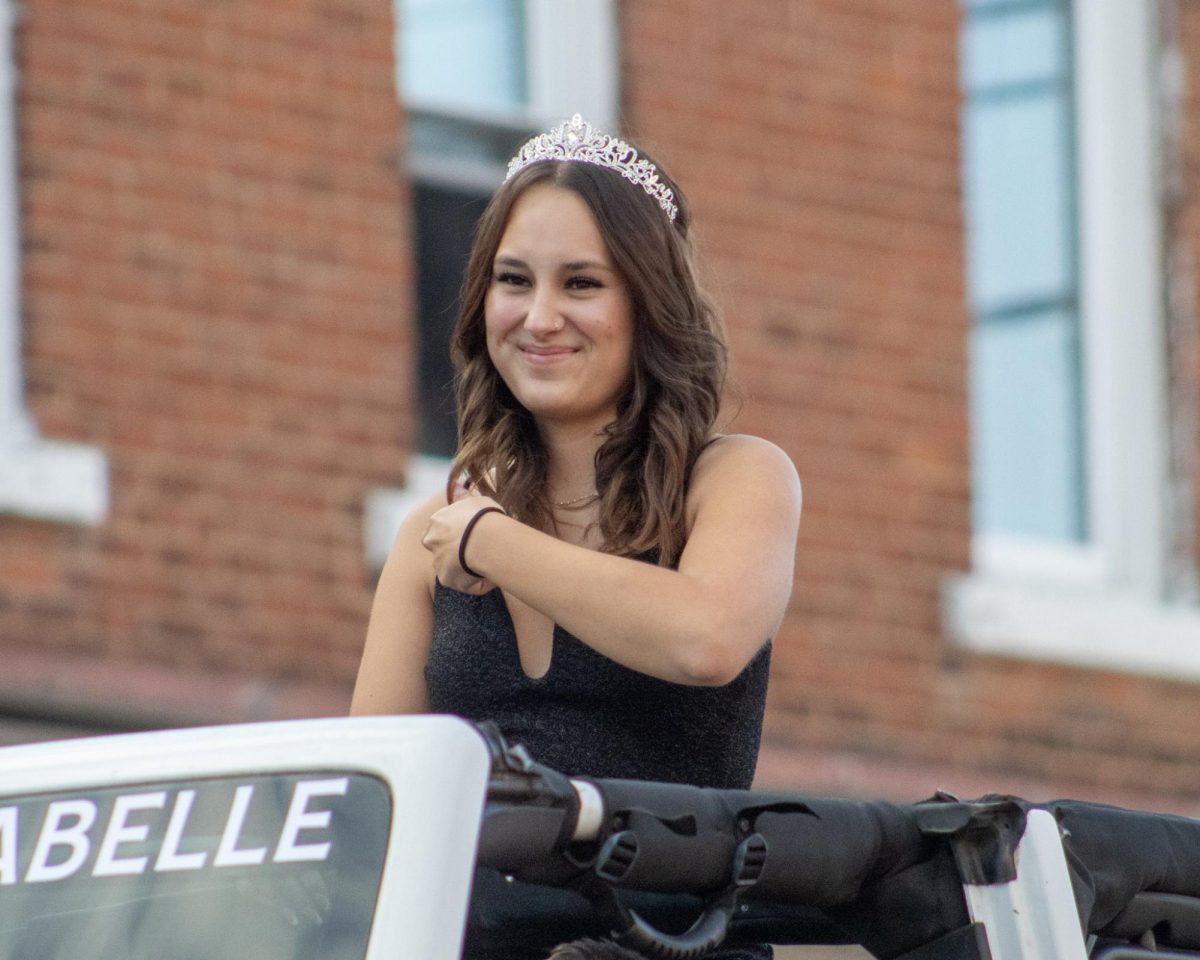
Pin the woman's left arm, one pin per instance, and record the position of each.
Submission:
(699, 624)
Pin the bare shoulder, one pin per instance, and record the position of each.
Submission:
(739, 461)
(418, 517)
(407, 557)
(747, 481)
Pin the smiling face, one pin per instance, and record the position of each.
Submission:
(557, 314)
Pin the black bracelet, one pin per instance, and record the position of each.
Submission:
(462, 541)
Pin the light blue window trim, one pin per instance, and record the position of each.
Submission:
(39, 478)
(477, 77)
(1101, 601)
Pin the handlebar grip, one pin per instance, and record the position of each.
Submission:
(516, 837)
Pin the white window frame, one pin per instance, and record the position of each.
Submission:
(1103, 604)
(39, 478)
(571, 67)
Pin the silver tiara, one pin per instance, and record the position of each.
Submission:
(581, 142)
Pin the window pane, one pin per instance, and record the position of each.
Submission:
(445, 224)
(1026, 46)
(203, 880)
(465, 53)
(1019, 200)
(1027, 449)
(1019, 188)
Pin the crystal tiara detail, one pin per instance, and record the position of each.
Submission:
(579, 141)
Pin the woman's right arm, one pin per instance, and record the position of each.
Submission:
(391, 674)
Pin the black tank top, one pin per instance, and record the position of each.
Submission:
(588, 715)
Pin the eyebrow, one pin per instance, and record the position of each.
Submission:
(587, 265)
(511, 261)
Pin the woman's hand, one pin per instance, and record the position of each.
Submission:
(443, 538)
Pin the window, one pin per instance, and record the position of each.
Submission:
(478, 78)
(466, 53)
(1026, 388)
(199, 867)
(1065, 279)
(39, 478)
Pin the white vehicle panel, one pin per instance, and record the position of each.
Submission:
(238, 838)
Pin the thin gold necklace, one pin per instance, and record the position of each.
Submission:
(571, 503)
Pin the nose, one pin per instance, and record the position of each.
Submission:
(544, 315)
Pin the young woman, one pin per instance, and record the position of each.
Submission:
(604, 572)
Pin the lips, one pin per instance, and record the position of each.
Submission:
(545, 354)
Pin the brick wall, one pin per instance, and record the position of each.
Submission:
(216, 286)
(819, 145)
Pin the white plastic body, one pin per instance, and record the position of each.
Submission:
(1033, 917)
(435, 768)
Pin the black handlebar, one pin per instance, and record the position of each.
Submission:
(888, 876)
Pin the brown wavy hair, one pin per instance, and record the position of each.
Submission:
(667, 413)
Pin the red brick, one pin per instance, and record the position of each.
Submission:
(218, 291)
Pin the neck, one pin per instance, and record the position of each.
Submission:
(572, 460)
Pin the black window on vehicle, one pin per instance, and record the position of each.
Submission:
(281, 867)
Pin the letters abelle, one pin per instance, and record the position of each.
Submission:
(69, 832)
